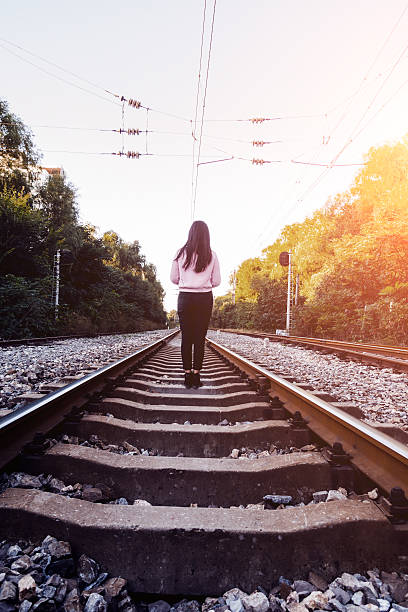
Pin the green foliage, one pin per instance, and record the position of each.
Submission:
(227, 315)
(25, 308)
(105, 283)
(172, 319)
(18, 156)
(22, 236)
(270, 309)
(352, 259)
(125, 257)
(57, 202)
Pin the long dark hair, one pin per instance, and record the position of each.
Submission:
(197, 247)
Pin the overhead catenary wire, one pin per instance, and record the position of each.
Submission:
(254, 161)
(194, 128)
(137, 131)
(43, 59)
(216, 161)
(127, 131)
(364, 80)
(55, 76)
(326, 166)
(128, 154)
(354, 134)
(203, 112)
(135, 103)
(131, 101)
(404, 84)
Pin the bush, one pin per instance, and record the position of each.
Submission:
(25, 307)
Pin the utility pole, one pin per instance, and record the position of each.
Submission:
(289, 293)
(234, 282)
(297, 290)
(56, 280)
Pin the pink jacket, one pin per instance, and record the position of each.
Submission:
(195, 282)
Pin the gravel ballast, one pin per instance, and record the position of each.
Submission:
(24, 369)
(381, 393)
(47, 577)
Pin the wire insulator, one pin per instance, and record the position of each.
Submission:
(258, 162)
(134, 103)
(128, 154)
(129, 132)
(258, 143)
(257, 120)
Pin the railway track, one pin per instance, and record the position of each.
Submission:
(395, 357)
(194, 491)
(50, 339)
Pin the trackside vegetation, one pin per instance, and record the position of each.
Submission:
(106, 284)
(351, 257)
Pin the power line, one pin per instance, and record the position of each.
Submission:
(254, 161)
(364, 80)
(350, 139)
(203, 111)
(137, 131)
(258, 120)
(131, 102)
(381, 108)
(193, 133)
(327, 165)
(216, 161)
(128, 131)
(354, 135)
(127, 154)
(88, 91)
(43, 59)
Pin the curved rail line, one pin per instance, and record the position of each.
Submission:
(208, 521)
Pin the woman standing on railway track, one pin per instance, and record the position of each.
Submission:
(196, 271)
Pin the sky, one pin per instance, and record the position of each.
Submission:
(330, 75)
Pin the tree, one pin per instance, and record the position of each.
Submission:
(270, 310)
(351, 255)
(22, 236)
(25, 308)
(122, 255)
(105, 285)
(57, 201)
(245, 275)
(18, 156)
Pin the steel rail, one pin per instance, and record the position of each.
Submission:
(381, 458)
(47, 339)
(377, 349)
(395, 359)
(18, 427)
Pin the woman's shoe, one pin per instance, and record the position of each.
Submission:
(188, 379)
(196, 380)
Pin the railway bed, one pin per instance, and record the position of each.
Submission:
(219, 483)
(379, 396)
(395, 357)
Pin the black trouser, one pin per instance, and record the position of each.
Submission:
(194, 311)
